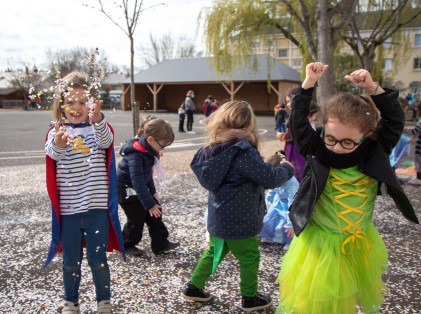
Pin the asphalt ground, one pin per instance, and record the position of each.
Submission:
(153, 284)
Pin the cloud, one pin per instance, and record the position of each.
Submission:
(29, 28)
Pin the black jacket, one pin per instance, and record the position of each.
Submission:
(235, 175)
(135, 170)
(375, 164)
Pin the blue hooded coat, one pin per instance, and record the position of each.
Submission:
(235, 175)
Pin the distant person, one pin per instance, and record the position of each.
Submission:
(291, 152)
(411, 99)
(276, 108)
(190, 110)
(336, 261)
(81, 181)
(136, 187)
(231, 168)
(403, 147)
(208, 106)
(181, 117)
(416, 133)
(280, 119)
(216, 105)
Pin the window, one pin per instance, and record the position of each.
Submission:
(296, 63)
(417, 63)
(417, 40)
(387, 65)
(282, 53)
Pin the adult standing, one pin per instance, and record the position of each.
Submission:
(190, 109)
(208, 106)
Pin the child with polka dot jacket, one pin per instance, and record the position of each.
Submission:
(231, 168)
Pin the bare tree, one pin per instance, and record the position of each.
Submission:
(377, 22)
(131, 15)
(164, 48)
(27, 78)
(68, 60)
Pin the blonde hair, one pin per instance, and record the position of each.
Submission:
(73, 80)
(190, 93)
(356, 110)
(232, 115)
(159, 129)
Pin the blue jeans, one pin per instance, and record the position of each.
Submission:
(281, 127)
(91, 227)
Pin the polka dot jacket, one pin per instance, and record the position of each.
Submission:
(236, 175)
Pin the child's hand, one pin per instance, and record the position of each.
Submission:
(313, 72)
(155, 211)
(284, 161)
(96, 116)
(62, 138)
(289, 232)
(362, 78)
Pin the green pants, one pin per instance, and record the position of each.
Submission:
(246, 251)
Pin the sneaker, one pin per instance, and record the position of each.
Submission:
(195, 294)
(415, 181)
(133, 251)
(104, 307)
(258, 302)
(71, 308)
(170, 247)
(285, 247)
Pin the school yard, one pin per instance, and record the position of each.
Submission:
(152, 284)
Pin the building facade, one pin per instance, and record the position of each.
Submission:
(406, 68)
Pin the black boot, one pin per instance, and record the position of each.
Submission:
(195, 294)
(258, 302)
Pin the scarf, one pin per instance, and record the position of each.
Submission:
(342, 161)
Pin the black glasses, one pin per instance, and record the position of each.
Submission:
(159, 144)
(346, 143)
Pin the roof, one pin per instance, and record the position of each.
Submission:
(113, 79)
(8, 91)
(202, 70)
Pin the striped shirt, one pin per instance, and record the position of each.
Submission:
(82, 181)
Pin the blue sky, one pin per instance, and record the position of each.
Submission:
(29, 28)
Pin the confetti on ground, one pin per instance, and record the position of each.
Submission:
(153, 284)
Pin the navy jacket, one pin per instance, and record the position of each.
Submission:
(235, 175)
(135, 170)
(375, 163)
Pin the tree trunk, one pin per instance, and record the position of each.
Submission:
(325, 51)
(368, 57)
(134, 103)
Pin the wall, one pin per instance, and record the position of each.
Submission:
(170, 96)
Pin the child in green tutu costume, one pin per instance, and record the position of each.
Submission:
(336, 261)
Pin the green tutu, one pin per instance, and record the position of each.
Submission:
(337, 261)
